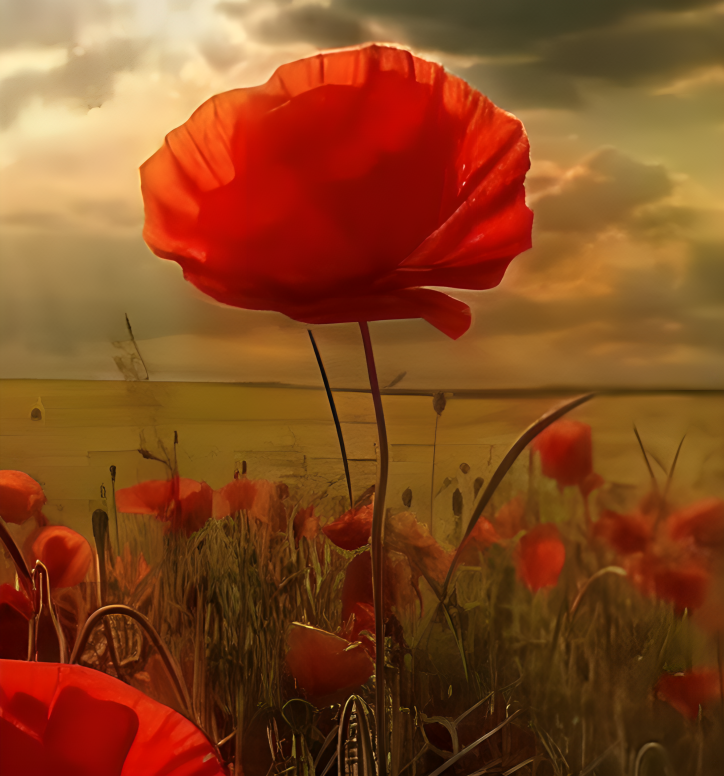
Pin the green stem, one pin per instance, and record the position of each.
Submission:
(378, 517)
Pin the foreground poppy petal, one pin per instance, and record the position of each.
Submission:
(21, 497)
(73, 721)
(352, 530)
(540, 557)
(701, 523)
(566, 454)
(341, 189)
(687, 691)
(325, 665)
(65, 553)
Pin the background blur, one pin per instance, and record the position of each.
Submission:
(624, 104)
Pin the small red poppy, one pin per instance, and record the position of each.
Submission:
(306, 524)
(404, 533)
(352, 530)
(65, 553)
(184, 504)
(510, 518)
(701, 523)
(74, 721)
(683, 582)
(481, 537)
(566, 454)
(341, 189)
(325, 666)
(235, 496)
(21, 497)
(540, 556)
(688, 691)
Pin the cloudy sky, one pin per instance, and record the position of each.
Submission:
(623, 101)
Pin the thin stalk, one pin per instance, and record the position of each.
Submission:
(432, 477)
(115, 511)
(335, 416)
(378, 517)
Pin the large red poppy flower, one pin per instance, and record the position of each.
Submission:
(184, 504)
(72, 721)
(326, 666)
(21, 497)
(341, 188)
(236, 496)
(687, 691)
(352, 530)
(540, 557)
(65, 553)
(700, 523)
(566, 454)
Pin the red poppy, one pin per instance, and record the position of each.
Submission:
(362, 618)
(540, 556)
(306, 524)
(65, 553)
(21, 497)
(510, 518)
(626, 534)
(184, 504)
(689, 690)
(405, 534)
(481, 537)
(16, 610)
(338, 189)
(326, 666)
(352, 530)
(74, 721)
(236, 496)
(357, 587)
(701, 524)
(268, 506)
(566, 454)
(683, 581)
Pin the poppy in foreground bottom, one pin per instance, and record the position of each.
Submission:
(73, 721)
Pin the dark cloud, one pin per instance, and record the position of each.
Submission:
(656, 51)
(606, 190)
(87, 78)
(323, 27)
(517, 86)
(504, 26)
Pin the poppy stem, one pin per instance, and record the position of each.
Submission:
(335, 417)
(378, 517)
(17, 555)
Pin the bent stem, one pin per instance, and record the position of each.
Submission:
(378, 516)
(16, 554)
(335, 417)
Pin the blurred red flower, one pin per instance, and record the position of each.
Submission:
(626, 534)
(700, 523)
(340, 189)
(326, 666)
(67, 720)
(682, 581)
(481, 537)
(306, 524)
(540, 556)
(510, 518)
(21, 497)
(566, 455)
(235, 496)
(352, 530)
(65, 553)
(405, 534)
(16, 611)
(184, 504)
(689, 690)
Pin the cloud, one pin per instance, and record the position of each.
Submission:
(87, 78)
(604, 190)
(47, 22)
(504, 26)
(655, 50)
(316, 24)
